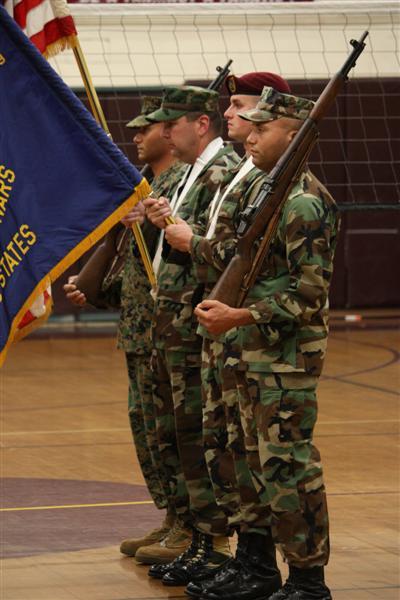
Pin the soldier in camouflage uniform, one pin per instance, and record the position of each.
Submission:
(130, 292)
(134, 328)
(275, 347)
(210, 254)
(192, 125)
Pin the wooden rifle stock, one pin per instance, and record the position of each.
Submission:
(261, 218)
(106, 261)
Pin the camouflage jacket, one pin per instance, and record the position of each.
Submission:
(132, 290)
(178, 290)
(211, 256)
(289, 300)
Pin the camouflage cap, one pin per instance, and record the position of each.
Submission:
(178, 101)
(148, 105)
(275, 105)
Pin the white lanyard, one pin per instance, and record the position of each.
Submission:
(180, 188)
(216, 204)
(175, 198)
(190, 176)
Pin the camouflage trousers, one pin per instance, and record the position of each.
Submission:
(143, 425)
(278, 413)
(224, 443)
(179, 426)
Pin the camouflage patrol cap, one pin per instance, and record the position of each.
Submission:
(148, 105)
(275, 105)
(178, 101)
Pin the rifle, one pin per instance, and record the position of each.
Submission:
(107, 260)
(261, 218)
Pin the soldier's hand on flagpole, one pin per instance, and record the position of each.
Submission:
(179, 235)
(157, 210)
(135, 215)
(74, 295)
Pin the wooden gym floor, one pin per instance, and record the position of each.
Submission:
(71, 487)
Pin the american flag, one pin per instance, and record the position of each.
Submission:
(48, 23)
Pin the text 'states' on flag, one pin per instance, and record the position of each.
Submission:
(63, 183)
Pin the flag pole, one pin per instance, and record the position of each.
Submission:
(98, 114)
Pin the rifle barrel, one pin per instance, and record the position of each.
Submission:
(358, 46)
(223, 72)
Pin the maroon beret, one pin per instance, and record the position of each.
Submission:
(252, 84)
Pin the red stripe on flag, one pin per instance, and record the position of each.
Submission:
(53, 31)
(22, 9)
(26, 319)
(29, 317)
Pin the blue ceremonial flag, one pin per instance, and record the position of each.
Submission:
(63, 183)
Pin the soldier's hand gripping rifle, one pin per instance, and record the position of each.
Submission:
(260, 219)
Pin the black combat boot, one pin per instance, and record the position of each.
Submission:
(225, 573)
(304, 584)
(212, 552)
(258, 576)
(158, 571)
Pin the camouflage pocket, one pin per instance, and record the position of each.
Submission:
(174, 325)
(286, 416)
(267, 415)
(185, 323)
(297, 415)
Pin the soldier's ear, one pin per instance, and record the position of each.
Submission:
(292, 134)
(294, 126)
(203, 123)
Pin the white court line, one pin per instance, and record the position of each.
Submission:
(119, 429)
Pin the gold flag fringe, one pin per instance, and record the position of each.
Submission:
(60, 45)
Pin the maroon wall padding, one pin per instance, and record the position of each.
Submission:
(357, 158)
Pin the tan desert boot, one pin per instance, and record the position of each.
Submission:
(174, 543)
(131, 545)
